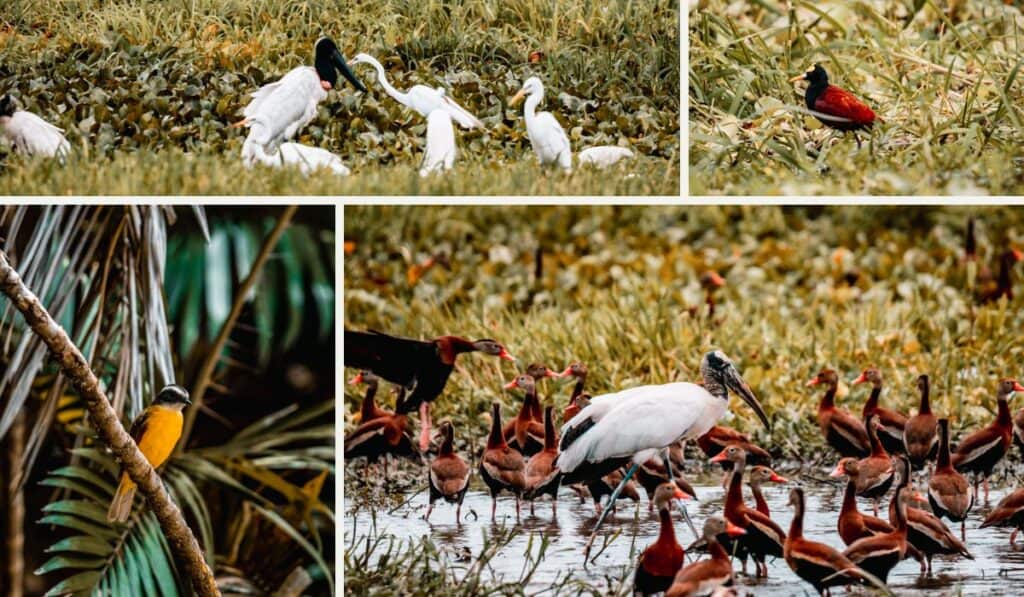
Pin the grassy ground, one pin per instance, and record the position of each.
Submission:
(131, 79)
(945, 81)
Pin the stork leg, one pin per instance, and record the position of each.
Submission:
(424, 426)
(615, 495)
(679, 503)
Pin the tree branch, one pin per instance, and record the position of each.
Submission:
(74, 366)
(205, 376)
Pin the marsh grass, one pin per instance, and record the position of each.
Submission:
(149, 77)
(947, 88)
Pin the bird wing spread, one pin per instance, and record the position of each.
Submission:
(393, 358)
(460, 114)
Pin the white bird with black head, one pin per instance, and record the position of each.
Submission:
(29, 134)
(279, 110)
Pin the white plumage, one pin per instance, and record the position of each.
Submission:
(279, 110)
(547, 137)
(421, 99)
(603, 156)
(29, 134)
(439, 154)
(307, 159)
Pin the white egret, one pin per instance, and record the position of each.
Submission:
(439, 154)
(631, 426)
(603, 156)
(549, 140)
(29, 134)
(279, 110)
(306, 158)
(421, 99)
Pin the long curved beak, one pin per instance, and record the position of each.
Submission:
(736, 384)
(518, 97)
(342, 66)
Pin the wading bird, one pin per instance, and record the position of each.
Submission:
(1009, 512)
(541, 473)
(279, 110)
(841, 429)
(890, 422)
(423, 365)
(926, 533)
(920, 441)
(383, 436)
(29, 134)
(816, 563)
(834, 106)
(448, 477)
(368, 409)
(981, 451)
(439, 154)
(880, 553)
(700, 578)
(421, 99)
(633, 425)
(501, 467)
(949, 494)
(661, 560)
(306, 158)
(524, 433)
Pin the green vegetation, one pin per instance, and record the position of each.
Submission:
(147, 91)
(944, 77)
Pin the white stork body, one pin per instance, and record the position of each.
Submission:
(280, 109)
(638, 422)
(547, 136)
(304, 157)
(421, 99)
(439, 154)
(30, 135)
(603, 156)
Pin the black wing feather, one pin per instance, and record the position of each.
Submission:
(398, 360)
(139, 425)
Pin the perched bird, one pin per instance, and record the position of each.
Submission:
(920, 441)
(368, 409)
(423, 365)
(501, 467)
(29, 134)
(890, 423)
(1009, 512)
(834, 106)
(156, 431)
(949, 494)
(306, 158)
(439, 154)
(818, 564)
(700, 578)
(421, 99)
(661, 560)
(547, 136)
(280, 109)
(541, 473)
(449, 474)
(841, 429)
(981, 451)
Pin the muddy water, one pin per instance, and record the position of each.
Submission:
(996, 570)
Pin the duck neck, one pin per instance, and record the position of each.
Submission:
(716, 551)
(667, 535)
(449, 347)
(901, 509)
(1003, 419)
(578, 388)
(872, 403)
(828, 401)
(796, 527)
(761, 503)
(549, 431)
(943, 463)
(447, 447)
(1004, 285)
(877, 450)
(734, 498)
(495, 439)
(367, 407)
(926, 405)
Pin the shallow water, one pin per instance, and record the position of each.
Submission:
(996, 570)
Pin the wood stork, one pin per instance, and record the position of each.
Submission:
(549, 140)
(279, 110)
(304, 157)
(29, 134)
(421, 99)
(632, 425)
(439, 154)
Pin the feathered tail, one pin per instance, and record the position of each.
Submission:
(121, 505)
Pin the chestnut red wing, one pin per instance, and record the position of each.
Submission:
(398, 360)
(839, 102)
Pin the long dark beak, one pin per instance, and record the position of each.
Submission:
(736, 384)
(342, 66)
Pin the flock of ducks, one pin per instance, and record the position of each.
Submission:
(279, 110)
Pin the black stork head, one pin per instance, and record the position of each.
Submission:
(818, 79)
(173, 395)
(7, 106)
(328, 61)
(719, 372)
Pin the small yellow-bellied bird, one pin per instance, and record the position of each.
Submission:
(156, 430)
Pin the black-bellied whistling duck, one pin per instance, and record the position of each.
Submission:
(876, 470)
(579, 371)
(368, 409)
(925, 531)
(382, 436)
(1009, 512)
(606, 485)
(852, 524)
(700, 578)
(541, 473)
(982, 450)
(993, 290)
(949, 494)
(841, 429)
(1018, 429)
(890, 422)
(880, 553)
(920, 440)
(538, 372)
(501, 467)
(762, 474)
(523, 433)
(661, 560)
(719, 436)
(449, 474)
(763, 537)
(818, 564)
(653, 473)
(424, 365)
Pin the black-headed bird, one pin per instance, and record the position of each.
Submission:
(156, 431)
